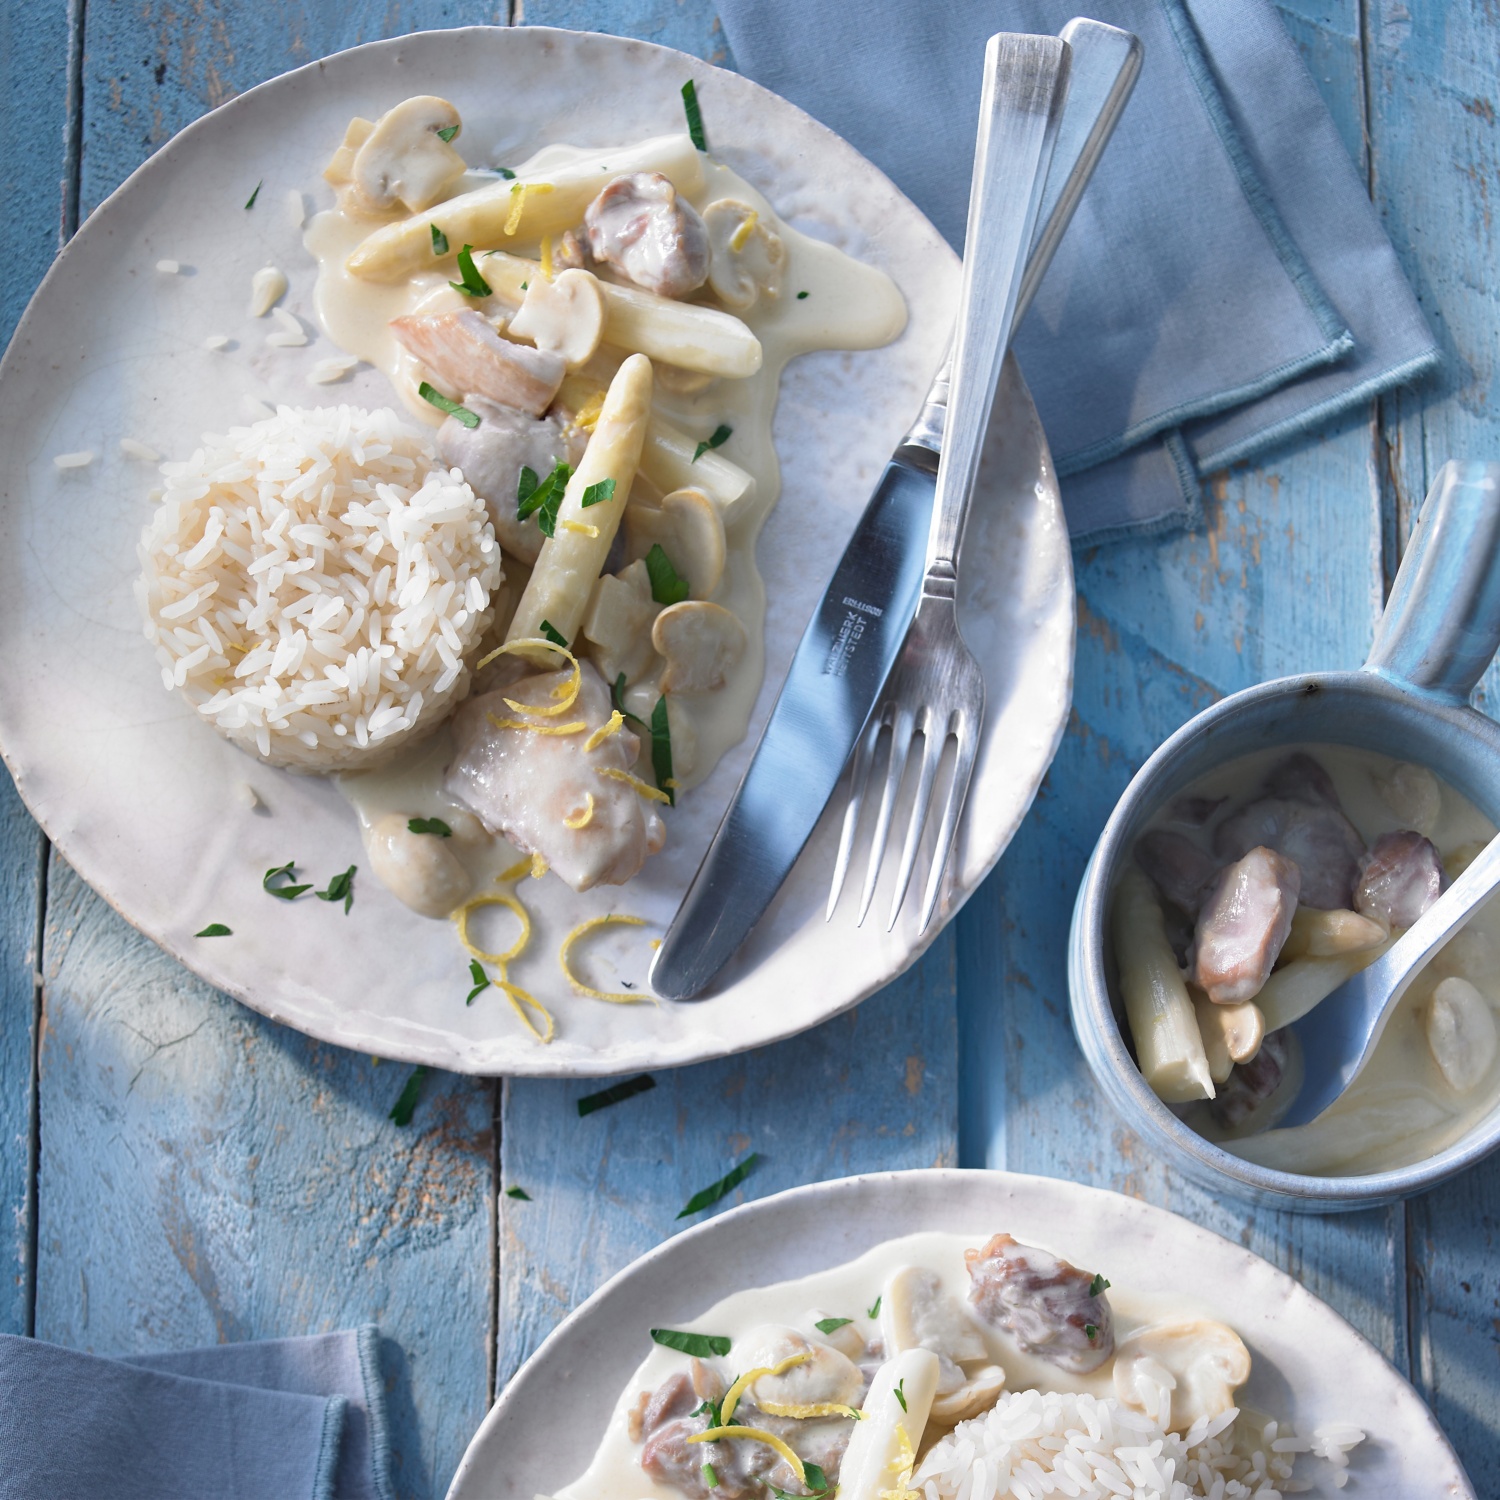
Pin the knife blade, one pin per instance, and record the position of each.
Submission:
(849, 645)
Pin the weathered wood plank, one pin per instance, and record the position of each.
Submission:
(33, 120)
(689, 25)
(207, 1175)
(1435, 188)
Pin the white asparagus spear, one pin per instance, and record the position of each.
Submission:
(552, 200)
(1322, 934)
(876, 1445)
(1295, 988)
(570, 560)
(1168, 1044)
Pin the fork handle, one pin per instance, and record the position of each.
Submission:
(1025, 84)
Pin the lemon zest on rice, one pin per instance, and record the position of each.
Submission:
(583, 819)
(612, 725)
(645, 790)
(493, 898)
(581, 931)
(755, 1435)
(738, 1389)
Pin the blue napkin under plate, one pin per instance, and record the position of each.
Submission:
(281, 1419)
(1225, 284)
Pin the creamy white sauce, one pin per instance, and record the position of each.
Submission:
(848, 1291)
(1400, 1110)
(848, 306)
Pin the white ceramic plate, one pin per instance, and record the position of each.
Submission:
(1308, 1365)
(141, 798)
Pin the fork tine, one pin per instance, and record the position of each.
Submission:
(859, 780)
(902, 720)
(933, 743)
(958, 790)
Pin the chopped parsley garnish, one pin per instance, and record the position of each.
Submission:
(661, 751)
(250, 201)
(709, 1477)
(721, 435)
(900, 1392)
(542, 498)
(525, 284)
(434, 397)
(518, 1193)
(439, 240)
(710, 1195)
(1090, 1330)
(617, 697)
(817, 1480)
(214, 929)
(553, 634)
(709, 1409)
(1097, 1285)
(277, 882)
(668, 586)
(694, 115)
(429, 825)
(406, 1105)
(473, 284)
(616, 1093)
(699, 1345)
(597, 494)
(831, 1325)
(506, 173)
(340, 888)
(802, 296)
(874, 1312)
(447, 133)
(480, 978)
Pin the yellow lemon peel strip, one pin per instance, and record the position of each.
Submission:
(494, 898)
(519, 192)
(611, 725)
(583, 819)
(565, 693)
(747, 227)
(806, 1413)
(581, 527)
(738, 1389)
(539, 866)
(588, 414)
(574, 726)
(547, 256)
(515, 872)
(755, 1435)
(581, 931)
(520, 1001)
(901, 1466)
(636, 782)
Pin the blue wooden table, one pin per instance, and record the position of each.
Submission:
(176, 1170)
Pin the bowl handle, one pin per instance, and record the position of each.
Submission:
(1441, 625)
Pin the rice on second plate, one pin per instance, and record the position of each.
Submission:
(313, 582)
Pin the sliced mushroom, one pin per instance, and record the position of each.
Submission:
(403, 162)
(652, 236)
(701, 643)
(846, 1338)
(618, 624)
(746, 257)
(1231, 1033)
(1413, 794)
(690, 530)
(565, 315)
(466, 357)
(417, 868)
(825, 1377)
(1180, 1371)
(1461, 1033)
(340, 168)
(915, 1313)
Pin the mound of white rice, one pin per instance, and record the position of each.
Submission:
(312, 584)
(1032, 1444)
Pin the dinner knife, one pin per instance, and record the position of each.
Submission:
(847, 648)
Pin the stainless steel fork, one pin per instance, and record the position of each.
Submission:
(936, 688)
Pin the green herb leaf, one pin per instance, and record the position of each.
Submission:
(250, 201)
(699, 1345)
(434, 397)
(900, 1393)
(1090, 1330)
(1098, 1285)
(473, 284)
(406, 1105)
(447, 133)
(661, 751)
(271, 882)
(341, 888)
(553, 634)
(214, 929)
(616, 1093)
(710, 1195)
(617, 697)
(525, 285)
(709, 1477)
(439, 240)
(817, 1480)
(542, 500)
(518, 1193)
(668, 586)
(831, 1325)
(506, 173)
(709, 1409)
(694, 115)
(429, 825)
(721, 435)
(480, 978)
(596, 494)
(802, 296)
(874, 1312)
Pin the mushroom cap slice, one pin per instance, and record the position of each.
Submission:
(690, 530)
(825, 1376)
(403, 162)
(701, 643)
(977, 1394)
(565, 315)
(418, 868)
(1461, 1033)
(746, 258)
(1181, 1370)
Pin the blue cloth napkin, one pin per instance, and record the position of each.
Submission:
(278, 1420)
(1225, 284)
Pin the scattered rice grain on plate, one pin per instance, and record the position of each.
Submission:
(290, 334)
(296, 208)
(246, 795)
(216, 342)
(267, 287)
(326, 371)
(79, 460)
(134, 448)
(169, 267)
(254, 408)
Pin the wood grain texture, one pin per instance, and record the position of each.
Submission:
(689, 25)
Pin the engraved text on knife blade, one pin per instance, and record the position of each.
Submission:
(850, 633)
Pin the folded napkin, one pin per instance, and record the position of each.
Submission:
(279, 1420)
(1225, 283)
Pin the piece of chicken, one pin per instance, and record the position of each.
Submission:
(523, 784)
(1178, 868)
(1243, 924)
(1299, 778)
(492, 456)
(466, 357)
(1402, 876)
(1324, 844)
(664, 1422)
(1049, 1307)
(641, 227)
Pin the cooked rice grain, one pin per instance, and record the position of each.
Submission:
(312, 583)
